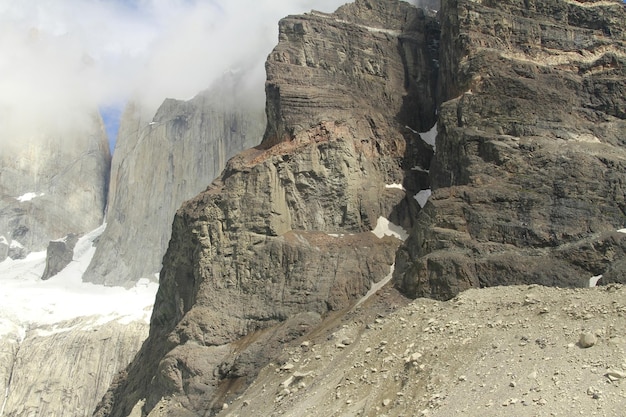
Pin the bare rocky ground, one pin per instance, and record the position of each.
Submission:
(518, 350)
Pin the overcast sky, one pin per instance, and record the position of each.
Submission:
(62, 59)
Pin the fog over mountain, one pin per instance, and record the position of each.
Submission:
(64, 60)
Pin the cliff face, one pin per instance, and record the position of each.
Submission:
(63, 370)
(51, 186)
(528, 178)
(160, 163)
(527, 183)
(283, 235)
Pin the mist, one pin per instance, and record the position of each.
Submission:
(64, 60)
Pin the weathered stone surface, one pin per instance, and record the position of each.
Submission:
(52, 185)
(158, 163)
(528, 177)
(285, 230)
(64, 370)
(58, 255)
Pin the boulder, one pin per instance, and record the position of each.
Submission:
(58, 255)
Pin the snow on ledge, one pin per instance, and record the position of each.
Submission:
(430, 136)
(377, 286)
(385, 228)
(396, 186)
(622, 230)
(28, 197)
(422, 197)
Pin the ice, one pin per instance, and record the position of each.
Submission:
(27, 302)
(422, 197)
(385, 228)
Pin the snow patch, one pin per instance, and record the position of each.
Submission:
(16, 245)
(377, 286)
(28, 302)
(430, 136)
(593, 281)
(4, 241)
(385, 228)
(422, 197)
(28, 197)
(396, 186)
(622, 230)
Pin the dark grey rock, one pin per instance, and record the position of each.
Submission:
(59, 255)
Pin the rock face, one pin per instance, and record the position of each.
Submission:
(78, 359)
(529, 175)
(160, 163)
(58, 255)
(527, 184)
(283, 235)
(51, 186)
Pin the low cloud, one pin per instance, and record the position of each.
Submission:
(62, 60)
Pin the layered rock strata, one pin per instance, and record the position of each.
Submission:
(283, 236)
(529, 176)
(158, 163)
(52, 185)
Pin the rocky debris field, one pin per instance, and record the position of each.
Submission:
(519, 350)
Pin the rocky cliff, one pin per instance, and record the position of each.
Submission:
(284, 235)
(161, 161)
(529, 176)
(52, 185)
(526, 180)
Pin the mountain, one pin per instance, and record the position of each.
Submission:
(63, 339)
(51, 185)
(528, 178)
(284, 235)
(525, 183)
(160, 161)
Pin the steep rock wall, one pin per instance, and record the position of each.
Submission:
(63, 370)
(284, 235)
(160, 162)
(52, 185)
(529, 175)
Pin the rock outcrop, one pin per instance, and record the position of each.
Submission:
(158, 163)
(529, 175)
(59, 254)
(283, 236)
(52, 185)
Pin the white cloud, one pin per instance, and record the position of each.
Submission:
(63, 59)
